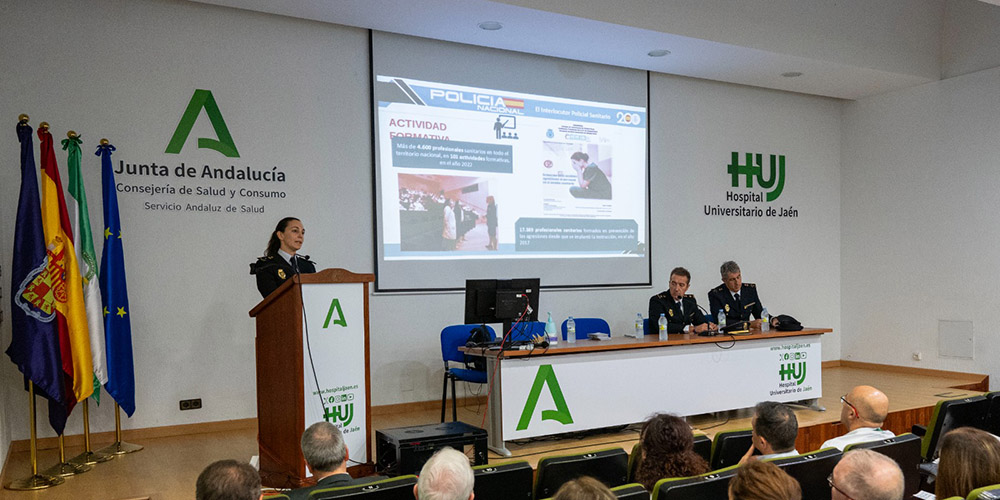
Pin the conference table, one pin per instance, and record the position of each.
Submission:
(592, 384)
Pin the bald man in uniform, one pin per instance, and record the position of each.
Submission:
(862, 412)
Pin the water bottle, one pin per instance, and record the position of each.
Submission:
(550, 332)
(722, 319)
(663, 326)
(765, 321)
(571, 330)
(638, 326)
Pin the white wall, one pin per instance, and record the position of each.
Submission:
(970, 37)
(921, 240)
(295, 95)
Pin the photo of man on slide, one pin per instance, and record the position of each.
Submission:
(593, 183)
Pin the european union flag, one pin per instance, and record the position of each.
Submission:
(117, 327)
(34, 345)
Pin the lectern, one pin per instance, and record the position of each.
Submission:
(312, 365)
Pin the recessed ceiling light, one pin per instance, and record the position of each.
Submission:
(791, 74)
(490, 25)
(658, 53)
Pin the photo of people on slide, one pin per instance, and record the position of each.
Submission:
(576, 178)
(446, 213)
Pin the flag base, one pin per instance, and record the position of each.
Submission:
(90, 458)
(36, 482)
(66, 469)
(120, 448)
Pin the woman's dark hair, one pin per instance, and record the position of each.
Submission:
(970, 459)
(667, 446)
(274, 243)
(763, 481)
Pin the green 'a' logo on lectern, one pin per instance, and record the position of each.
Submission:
(335, 308)
(224, 144)
(545, 376)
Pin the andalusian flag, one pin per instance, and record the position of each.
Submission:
(71, 313)
(87, 258)
(34, 343)
(117, 327)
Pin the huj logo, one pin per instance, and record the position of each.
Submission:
(754, 168)
(793, 371)
(224, 144)
(342, 413)
(545, 375)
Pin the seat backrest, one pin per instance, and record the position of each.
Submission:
(991, 492)
(633, 491)
(713, 485)
(396, 488)
(609, 466)
(633, 460)
(703, 446)
(992, 422)
(455, 336)
(728, 447)
(585, 326)
(275, 497)
(528, 329)
(811, 471)
(506, 481)
(905, 450)
(951, 414)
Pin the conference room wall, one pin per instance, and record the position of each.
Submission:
(920, 232)
(294, 94)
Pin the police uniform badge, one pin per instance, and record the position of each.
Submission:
(727, 307)
(670, 312)
(281, 274)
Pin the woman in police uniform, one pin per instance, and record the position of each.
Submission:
(280, 260)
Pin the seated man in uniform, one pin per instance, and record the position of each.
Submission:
(681, 310)
(862, 412)
(738, 299)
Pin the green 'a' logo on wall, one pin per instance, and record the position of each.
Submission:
(561, 414)
(224, 144)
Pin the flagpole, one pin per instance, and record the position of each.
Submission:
(36, 481)
(64, 468)
(89, 457)
(119, 447)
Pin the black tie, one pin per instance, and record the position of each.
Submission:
(737, 297)
(295, 264)
(680, 307)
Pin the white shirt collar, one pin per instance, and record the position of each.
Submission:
(286, 255)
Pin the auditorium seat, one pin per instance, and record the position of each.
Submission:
(905, 450)
(609, 466)
(950, 414)
(528, 329)
(632, 491)
(702, 446)
(811, 470)
(991, 492)
(505, 481)
(633, 460)
(728, 447)
(275, 496)
(712, 485)
(585, 326)
(453, 337)
(397, 488)
(992, 422)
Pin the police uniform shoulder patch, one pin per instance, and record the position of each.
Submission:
(663, 295)
(719, 288)
(751, 285)
(688, 296)
(281, 274)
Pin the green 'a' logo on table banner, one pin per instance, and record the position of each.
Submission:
(203, 99)
(545, 375)
(335, 308)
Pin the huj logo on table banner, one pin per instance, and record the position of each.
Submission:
(793, 371)
(545, 376)
(203, 99)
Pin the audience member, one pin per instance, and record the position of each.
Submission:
(862, 412)
(970, 459)
(763, 481)
(446, 476)
(667, 450)
(326, 455)
(774, 431)
(866, 475)
(228, 480)
(584, 488)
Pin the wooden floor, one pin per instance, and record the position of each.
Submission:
(166, 469)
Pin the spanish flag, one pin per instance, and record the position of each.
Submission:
(68, 286)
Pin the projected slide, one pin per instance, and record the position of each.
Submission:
(469, 173)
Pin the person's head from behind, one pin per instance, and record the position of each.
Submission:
(864, 406)
(324, 449)
(758, 480)
(228, 480)
(866, 475)
(584, 488)
(665, 434)
(446, 476)
(774, 428)
(970, 459)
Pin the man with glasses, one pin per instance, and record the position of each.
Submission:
(862, 412)
(866, 475)
(681, 309)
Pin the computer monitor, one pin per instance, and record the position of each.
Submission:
(501, 301)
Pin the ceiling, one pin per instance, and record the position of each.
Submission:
(846, 49)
